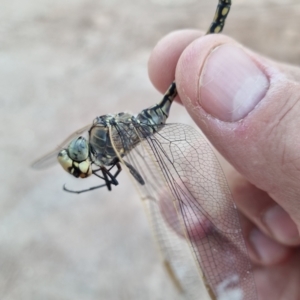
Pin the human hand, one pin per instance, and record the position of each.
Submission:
(248, 107)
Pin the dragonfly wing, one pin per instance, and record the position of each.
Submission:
(50, 158)
(173, 248)
(182, 175)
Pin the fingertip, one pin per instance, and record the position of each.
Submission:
(262, 249)
(164, 57)
(263, 211)
(282, 227)
(266, 251)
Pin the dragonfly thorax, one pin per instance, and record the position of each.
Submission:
(75, 159)
(104, 137)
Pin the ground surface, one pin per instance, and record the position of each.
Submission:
(61, 64)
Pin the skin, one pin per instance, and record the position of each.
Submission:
(262, 147)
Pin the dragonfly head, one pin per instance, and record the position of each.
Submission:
(75, 159)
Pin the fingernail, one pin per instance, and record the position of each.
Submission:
(231, 84)
(281, 226)
(266, 249)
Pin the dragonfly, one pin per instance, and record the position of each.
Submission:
(182, 185)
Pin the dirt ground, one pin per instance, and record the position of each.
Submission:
(61, 64)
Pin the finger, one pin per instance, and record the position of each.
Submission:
(163, 60)
(250, 111)
(281, 279)
(261, 209)
(262, 249)
(164, 57)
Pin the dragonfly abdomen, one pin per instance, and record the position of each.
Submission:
(220, 16)
(158, 114)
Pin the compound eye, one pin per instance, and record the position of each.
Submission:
(78, 149)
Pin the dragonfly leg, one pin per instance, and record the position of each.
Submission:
(137, 176)
(83, 191)
(110, 179)
(107, 175)
(119, 169)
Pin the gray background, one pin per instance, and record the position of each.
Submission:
(61, 64)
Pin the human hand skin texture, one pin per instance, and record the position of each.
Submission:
(248, 107)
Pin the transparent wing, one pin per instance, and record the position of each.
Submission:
(182, 175)
(50, 158)
(175, 251)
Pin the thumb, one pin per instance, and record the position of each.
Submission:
(248, 106)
